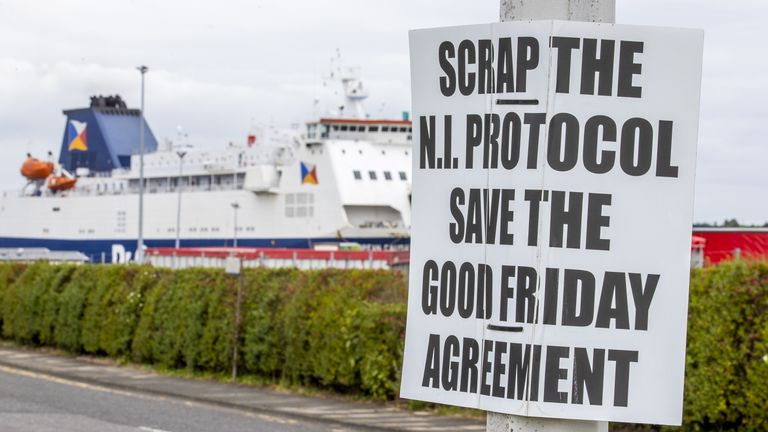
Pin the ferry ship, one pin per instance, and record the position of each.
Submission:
(342, 179)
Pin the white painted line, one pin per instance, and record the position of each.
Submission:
(275, 419)
(78, 384)
(149, 429)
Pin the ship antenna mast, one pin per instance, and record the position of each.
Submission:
(354, 93)
(354, 90)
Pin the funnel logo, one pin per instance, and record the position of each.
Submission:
(76, 135)
(308, 174)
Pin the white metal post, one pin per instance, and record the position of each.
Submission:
(567, 10)
(235, 206)
(178, 200)
(570, 10)
(140, 243)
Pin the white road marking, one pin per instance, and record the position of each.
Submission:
(28, 374)
(273, 419)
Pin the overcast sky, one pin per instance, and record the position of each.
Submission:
(220, 69)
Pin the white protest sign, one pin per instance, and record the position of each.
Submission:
(552, 207)
(232, 265)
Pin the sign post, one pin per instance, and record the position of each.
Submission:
(552, 211)
(234, 266)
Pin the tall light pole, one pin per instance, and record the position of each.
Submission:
(181, 154)
(140, 243)
(235, 206)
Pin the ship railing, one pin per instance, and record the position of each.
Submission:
(305, 259)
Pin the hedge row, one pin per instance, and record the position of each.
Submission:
(335, 329)
(726, 376)
(344, 329)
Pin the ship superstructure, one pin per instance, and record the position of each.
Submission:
(338, 180)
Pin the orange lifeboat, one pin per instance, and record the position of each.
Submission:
(61, 183)
(35, 169)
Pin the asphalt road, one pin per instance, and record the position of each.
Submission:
(31, 402)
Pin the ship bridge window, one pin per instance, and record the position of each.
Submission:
(344, 128)
(335, 127)
(372, 175)
(387, 175)
(325, 132)
(373, 128)
(385, 128)
(358, 175)
(403, 129)
(403, 177)
(353, 128)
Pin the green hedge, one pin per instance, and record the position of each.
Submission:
(334, 329)
(343, 330)
(726, 380)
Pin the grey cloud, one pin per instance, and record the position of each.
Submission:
(218, 68)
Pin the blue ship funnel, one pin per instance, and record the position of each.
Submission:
(104, 136)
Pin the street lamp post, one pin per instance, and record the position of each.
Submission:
(235, 206)
(181, 155)
(140, 243)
